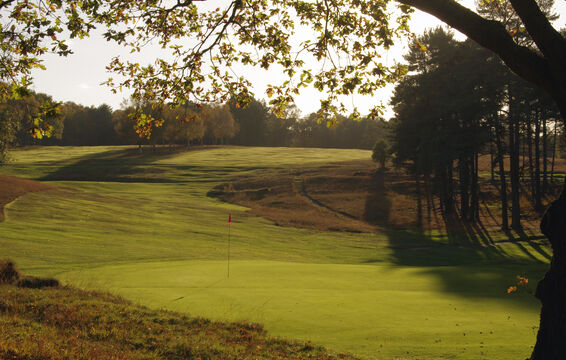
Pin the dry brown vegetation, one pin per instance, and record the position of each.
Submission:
(14, 187)
(9, 275)
(67, 323)
(356, 196)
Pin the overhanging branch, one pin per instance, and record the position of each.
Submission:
(548, 40)
(492, 35)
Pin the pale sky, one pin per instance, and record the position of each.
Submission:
(77, 78)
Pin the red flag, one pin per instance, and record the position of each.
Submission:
(229, 219)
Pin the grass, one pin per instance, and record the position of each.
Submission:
(142, 226)
(66, 323)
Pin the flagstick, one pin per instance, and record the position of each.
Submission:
(229, 226)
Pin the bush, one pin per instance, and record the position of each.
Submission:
(8, 272)
(10, 275)
(36, 283)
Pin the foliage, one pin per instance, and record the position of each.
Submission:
(380, 153)
(27, 120)
(88, 125)
(220, 123)
(184, 125)
(29, 30)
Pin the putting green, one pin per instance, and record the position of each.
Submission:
(376, 311)
(144, 227)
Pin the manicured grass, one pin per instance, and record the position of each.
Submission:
(146, 229)
(377, 311)
(66, 323)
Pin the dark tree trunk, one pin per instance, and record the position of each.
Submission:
(544, 155)
(447, 189)
(551, 290)
(503, 182)
(464, 177)
(419, 201)
(538, 199)
(475, 190)
(492, 161)
(553, 152)
(514, 164)
(529, 141)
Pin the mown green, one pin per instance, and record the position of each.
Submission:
(142, 226)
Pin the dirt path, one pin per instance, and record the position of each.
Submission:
(12, 188)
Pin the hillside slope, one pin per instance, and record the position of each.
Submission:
(67, 323)
(13, 187)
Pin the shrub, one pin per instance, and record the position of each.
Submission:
(8, 272)
(36, 282)
(10, 275)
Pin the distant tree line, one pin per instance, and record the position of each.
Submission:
(460, 102)
(253, 125)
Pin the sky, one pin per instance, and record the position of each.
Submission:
(78, 77)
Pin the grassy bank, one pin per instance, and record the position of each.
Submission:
(142, 226)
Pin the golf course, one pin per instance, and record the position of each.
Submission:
(148, 227)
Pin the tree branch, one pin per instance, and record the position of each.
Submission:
(5, 3)
(549, 41)
(492, 35)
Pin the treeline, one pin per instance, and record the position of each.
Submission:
(460, 102)
(253, 125)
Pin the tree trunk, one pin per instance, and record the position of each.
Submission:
(544, 155)
(538, 199)
(514, 164)
(529, 140)
(474, 190)
(503, 181)
(554, 147)
(551, 290)
(464, 177)
(492, 161)
(419, 201)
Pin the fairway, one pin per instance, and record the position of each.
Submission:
(142, 226)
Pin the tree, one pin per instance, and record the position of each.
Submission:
(260, 33)
(88, 125)
(219, 122)
(183, 125)
(252, 122)
(439, 118)
(380, 153)
(19, 116)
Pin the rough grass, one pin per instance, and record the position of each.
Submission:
(13, 187)
(145, 228)
(355, 196)
(67, 323)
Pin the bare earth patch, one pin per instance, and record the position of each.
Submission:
(13, 187)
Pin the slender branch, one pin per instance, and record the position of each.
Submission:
(236, 6)
(5, 3)
(493, 36)
(548, 39)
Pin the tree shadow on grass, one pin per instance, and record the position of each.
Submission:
(378, 205)
(469, 262)
(479, 272)
(130, 165)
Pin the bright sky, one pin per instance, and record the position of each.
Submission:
(77, 78)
